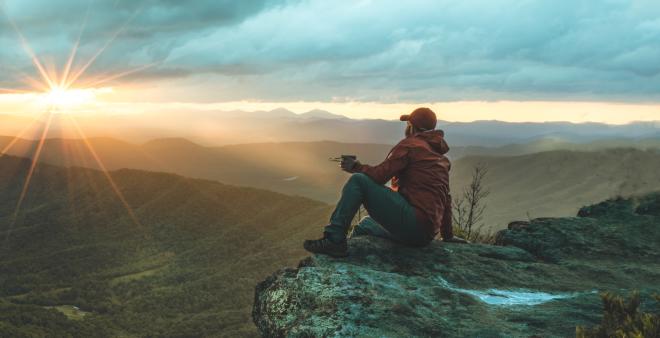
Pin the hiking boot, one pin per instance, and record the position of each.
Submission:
(326, 246)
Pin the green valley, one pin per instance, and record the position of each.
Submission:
(74, 263)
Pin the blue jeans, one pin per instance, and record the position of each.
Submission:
(391, 216)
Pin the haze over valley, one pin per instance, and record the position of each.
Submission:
(216, 128)
(558, 173)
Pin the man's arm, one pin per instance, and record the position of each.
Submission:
(396, 161)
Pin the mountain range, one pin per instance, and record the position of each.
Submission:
(280, 125)
(543, 178)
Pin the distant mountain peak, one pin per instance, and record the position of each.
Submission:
(282, 112)
(178, 142)
(321, 114)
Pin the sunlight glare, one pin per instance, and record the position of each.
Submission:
(55, 90)
(59, 97)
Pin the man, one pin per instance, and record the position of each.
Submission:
(414, 210)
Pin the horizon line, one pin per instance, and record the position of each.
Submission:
(35, 116)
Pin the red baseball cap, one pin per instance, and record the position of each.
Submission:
(422, 118)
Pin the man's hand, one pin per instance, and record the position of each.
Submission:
(348, 164)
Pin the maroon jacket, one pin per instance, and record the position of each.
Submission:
(420, 172)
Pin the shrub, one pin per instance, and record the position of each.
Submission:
(623, 319)
(468, 209)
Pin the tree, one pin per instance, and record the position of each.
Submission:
(468, 209)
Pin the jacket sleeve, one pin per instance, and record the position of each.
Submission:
(395, 162)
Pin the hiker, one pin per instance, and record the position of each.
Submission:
(414, 210)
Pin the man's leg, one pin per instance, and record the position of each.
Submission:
(369, 227)
(352, 197)
(385, 206)
(333, 242)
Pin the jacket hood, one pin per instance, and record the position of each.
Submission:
(436, 139)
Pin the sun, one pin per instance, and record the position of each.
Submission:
(60, 97)
(63, 92)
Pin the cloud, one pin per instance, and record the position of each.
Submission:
(380, 50)
(135, 32)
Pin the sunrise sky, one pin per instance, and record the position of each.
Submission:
(469, 60)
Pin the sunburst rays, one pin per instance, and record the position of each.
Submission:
(105, 171)
(30, 173)
(18, 136)
(74, 50)
(49, 79)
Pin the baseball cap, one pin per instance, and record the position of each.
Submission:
(422, 118)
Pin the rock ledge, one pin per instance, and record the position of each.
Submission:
(542, 279)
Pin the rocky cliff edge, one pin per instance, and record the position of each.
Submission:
(541, 279)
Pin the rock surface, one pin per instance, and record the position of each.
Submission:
(541, 279)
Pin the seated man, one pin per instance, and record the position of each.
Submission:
(414, 210)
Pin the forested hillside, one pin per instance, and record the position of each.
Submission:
(75, 263)
(525, 180)
(557, 183)
(295, 168)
